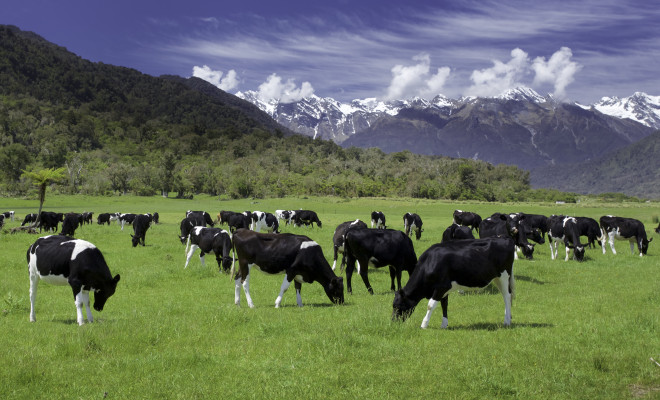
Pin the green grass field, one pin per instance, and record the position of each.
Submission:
(580, 330)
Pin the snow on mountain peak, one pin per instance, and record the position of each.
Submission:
(639, 107)
(522, 93)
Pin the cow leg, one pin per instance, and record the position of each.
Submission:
(88, 310)
(298, 287)
(365, 278)
(604, 237)
(395, 273)
(34, 280)
(193, 247)
(201, 258)
(350, 266)
(568, 251)
(429, 310)
(611, 240)
(285, 285)
(334, 263)
(502, 283)
(79, 303)
(632, 248)
(515, 253)
(246, 288)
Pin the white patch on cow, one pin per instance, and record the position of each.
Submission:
(80, 246)
(355, 222)
(429, 310)
(57, 280)
(309, 243)
(198, 230)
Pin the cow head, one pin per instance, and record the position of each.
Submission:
(402, 307)
(528, 250)
(335, 290)
(644, 245)
(135, 239)
(578, 252)
(103, 294)
(418, 233)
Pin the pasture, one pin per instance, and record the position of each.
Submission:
(579, 330)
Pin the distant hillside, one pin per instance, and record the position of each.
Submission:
(633, 170)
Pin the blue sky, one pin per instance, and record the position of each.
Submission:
(576, 50)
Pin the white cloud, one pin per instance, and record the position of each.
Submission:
(559, 70)
(416, 80)
(501, 76)
(286, 92)
(229, 82)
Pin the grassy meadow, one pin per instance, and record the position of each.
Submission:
(579, 330)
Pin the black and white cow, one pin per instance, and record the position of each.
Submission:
(378, 248)
(306, 217)
(262, 220)
(457, 232)
(70, 224)
(8, 215)
(338, 240)
(87, 217)
(204, 214)
(239, 221)
(141, 224)
(378, 220)
(621, 228)
(300, 258)
(500, 224)
(566, 230)
(413, 223)
(188, 224)
(30, 218)
(61, 260)
(209, 240)
(458, 265)
(104, 218)
(124, 219)
(537, 222)
(50, 221)
(589, 227)
(284, 215)
(467, 218)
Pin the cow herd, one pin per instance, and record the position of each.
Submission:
(459, 262)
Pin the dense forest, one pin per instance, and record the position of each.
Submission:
(116, 130)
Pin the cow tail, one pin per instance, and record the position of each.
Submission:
(233, 261)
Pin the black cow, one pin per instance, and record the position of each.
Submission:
(239, 221)
(378, 220)
(567, 230)
(62, 260)
(50, 221)
(657, 230)
(589, 227)
(629, 229)
(204, 214)
(306, 217)
(209, 240)
(458, 265)
(378, 248)
(124, 219)
(87, 217)
(29, 219)
(537, 222)
(467, 218)
(223, 216)
(338, 240)
(500, 224)
(457, 232)
(262, 220)
(156, 218)
(70, 224)
(141, 224)
(413, 223)
(299, 257)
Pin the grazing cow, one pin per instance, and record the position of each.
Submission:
(188, 224)
(589, 227)
(105, 218)
(536, 222)
(284, 215)
(223, 216)
(306, 217)
(61, 260)
(8, 214)
(467, 218)
(70, 224)
(620, 228)
(29, 219)
(261, 220)
(413, 223)
(338, 239)
(567, 230)
(378, 220)
(124, 219)
(505, 225)
(204, 214)
(87, 217)
(141, 224)
(299, 257)
(239, 221)
(49, 221)
(378, 248)
(155, 218)
(458, 265)
(209, 240)
(457, 232)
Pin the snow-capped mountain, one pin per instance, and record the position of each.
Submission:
(639, 107)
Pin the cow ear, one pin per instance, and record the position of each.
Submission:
(116, 278)
(503, 217)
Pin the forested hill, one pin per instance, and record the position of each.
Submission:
(116, 130)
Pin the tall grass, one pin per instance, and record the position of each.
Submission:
(580, 330)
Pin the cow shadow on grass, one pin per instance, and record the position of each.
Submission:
(491, 326)
(528, 279)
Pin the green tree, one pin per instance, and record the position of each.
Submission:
(41, 179)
